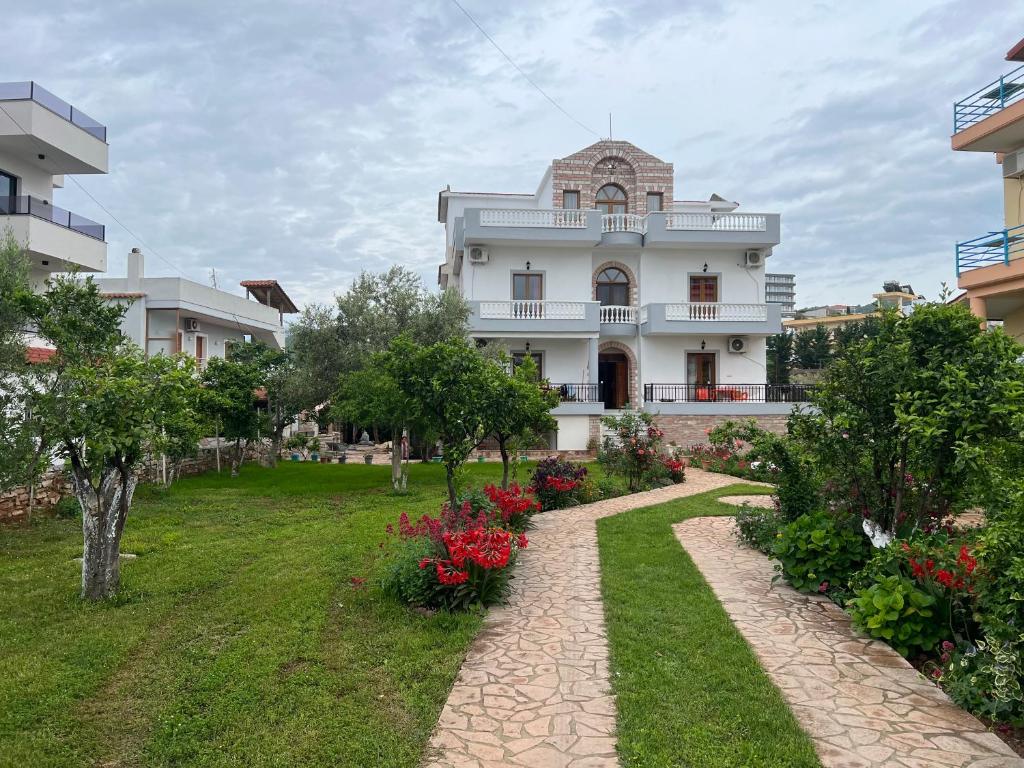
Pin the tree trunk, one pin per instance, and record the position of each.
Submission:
(504, 462)
(396, 465)
(275, 446)
(449, 476)
(236, 458)
(104, 510)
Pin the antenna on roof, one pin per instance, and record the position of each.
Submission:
(610, 126)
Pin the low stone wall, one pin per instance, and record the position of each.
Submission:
(14, 503)
(686, 431)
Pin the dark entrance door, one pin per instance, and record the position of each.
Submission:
(613, 374)
(700, 375)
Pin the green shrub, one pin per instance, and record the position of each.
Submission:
(757, 527)
(820, 552)
(68, 507)
(985, 678)
(634, 452)
(792, 471)
(555, 481)
(588, 491)
(405, 580)
(897, 610)
(610, 487)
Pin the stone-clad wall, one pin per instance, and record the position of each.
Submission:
(686, 431)
(636, 171)
(14, 503)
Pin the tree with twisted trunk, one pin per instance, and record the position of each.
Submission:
(104, 408)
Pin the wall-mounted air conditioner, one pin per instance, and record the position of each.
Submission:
(191, 324)
(478, 255)
(737, 344)
(753, 258)
(1013, 164)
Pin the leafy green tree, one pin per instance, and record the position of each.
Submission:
(845, 336)
(17, 452)
(779, 357)
(100, 405)
(813, 349)
(908, 423)
(230, 402)
(517, 404)
(445, 386)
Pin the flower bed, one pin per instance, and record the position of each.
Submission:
(463, 557)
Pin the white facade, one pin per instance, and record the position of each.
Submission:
(42, 138)
(170, 314)
(664, 309)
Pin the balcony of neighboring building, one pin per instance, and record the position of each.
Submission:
(719, 317)
(57, 240)
(990, 271)
(992, 118)
(54, 134)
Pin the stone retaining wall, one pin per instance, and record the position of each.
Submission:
(686, 431)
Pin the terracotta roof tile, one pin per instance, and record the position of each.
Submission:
(35, 355)
(122, 294)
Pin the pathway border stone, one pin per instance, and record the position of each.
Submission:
(861, 702)
(534, 688)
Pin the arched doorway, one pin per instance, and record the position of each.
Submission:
(613, 376)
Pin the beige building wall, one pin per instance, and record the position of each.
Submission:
(1013, 324)
(1013, 204)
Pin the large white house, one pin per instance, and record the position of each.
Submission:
(622, 294)
(171, 314)
(43, 139)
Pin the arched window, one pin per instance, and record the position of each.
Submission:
(610, 199)
(613, 288)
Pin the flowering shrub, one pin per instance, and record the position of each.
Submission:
(758, 527)
(555, 481)
(464, 556)
(676, 468)
(819, 552)
(985, 678)
(635, 451)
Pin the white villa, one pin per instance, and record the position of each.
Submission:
(171, 314)
(622, 294)
(43, 139)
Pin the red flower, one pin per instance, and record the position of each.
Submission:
(448, 575)
(945, 578)
(521, 542)
(966, 560)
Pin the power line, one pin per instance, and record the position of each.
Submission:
(519, 69)
(97, 202)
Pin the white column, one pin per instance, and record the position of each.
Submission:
(592, 361)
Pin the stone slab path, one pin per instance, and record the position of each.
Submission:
(534, 689)
(765, 502)
(861, 702)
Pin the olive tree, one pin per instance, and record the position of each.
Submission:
(103, 408)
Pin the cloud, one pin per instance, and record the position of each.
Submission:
(306, 140)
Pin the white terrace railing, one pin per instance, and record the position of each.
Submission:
(520, 217)
(533, 310)
(717, 311)
(720, 222)
(624, 222)
(617, 314)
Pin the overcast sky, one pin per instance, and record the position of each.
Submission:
(305, 141)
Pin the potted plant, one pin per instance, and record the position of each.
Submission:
(481, 459)
(342, 457)
(314, 450)
(297, 444)
(368, 458)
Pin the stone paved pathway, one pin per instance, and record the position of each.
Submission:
(534, 688)
(861, 702)
(765, 502)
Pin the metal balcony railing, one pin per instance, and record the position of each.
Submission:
(712, 393)
(988, 100)
(41, 96)
(577, 393)
(992, 248)
(24, 205)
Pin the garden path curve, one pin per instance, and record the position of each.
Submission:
(534, 688)
(861, 702)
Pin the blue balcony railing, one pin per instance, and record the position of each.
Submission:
(41, 96)
(988, 100)
(993, 248)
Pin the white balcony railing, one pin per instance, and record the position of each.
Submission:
(519, 217)
(533, 310)
(617, 314)
(720, 222)
(624, 222)
(717, 311)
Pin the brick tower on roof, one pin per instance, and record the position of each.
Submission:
(620, 163)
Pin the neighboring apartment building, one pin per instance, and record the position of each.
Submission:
(990, 267)
(43, 139)
(780, 288)
(893, 295)
(620, 293)
(171, 314)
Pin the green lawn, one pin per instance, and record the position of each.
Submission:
(690, 691)
(238, 639)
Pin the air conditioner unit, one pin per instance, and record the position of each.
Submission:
(191, 324)
(1013, 164)
(478, 255)
(737, 344)
(753, 258)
